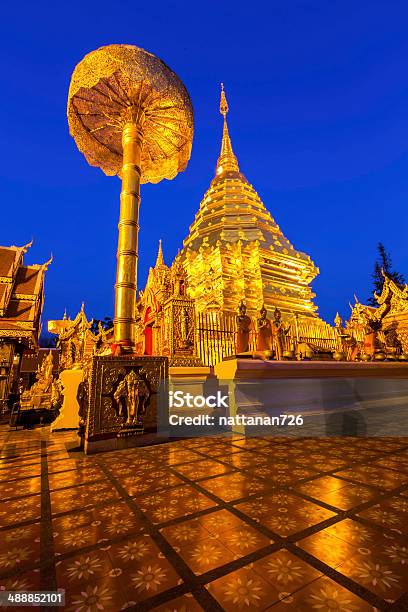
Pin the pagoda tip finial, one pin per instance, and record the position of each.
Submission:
(160, 258)
(227, 160)
(223, 102)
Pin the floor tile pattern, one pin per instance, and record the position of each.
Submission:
(220, 523)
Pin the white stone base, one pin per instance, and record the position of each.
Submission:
(68, 417)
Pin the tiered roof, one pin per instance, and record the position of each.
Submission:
(21, 295)
(232, 210)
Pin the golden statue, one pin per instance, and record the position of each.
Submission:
(243, 328)
(344, 339)
(56, 394)
(338, 323)
(131, 116)
(43, 392)
(184, 340)
(264, 339)
(280, 330)
(45, 379)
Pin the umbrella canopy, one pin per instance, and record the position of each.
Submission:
(120, 84)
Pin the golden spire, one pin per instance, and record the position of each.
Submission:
(160, 259)
(227, 162)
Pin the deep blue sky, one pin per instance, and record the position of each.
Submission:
(318, 95)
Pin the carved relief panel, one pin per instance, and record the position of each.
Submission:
(123, 394)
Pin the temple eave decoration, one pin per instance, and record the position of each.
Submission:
(391, 292)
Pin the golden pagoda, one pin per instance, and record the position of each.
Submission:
(236, 251)
(235, 254)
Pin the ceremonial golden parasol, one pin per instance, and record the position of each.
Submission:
(130, 115)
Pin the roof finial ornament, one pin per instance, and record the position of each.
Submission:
(223, 102)
(47, 263)
(23, 249)
(27, 246)
(227, 162)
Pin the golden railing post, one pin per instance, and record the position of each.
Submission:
(127, 254)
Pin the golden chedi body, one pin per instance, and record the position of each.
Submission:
(236, 251)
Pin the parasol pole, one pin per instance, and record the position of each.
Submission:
(127, 254)
(113, 90)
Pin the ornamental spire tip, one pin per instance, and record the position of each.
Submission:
(160, 258)
(223, 102)
(227, 160)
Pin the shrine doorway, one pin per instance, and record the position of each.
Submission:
(148, 332)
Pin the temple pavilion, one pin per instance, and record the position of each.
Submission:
(21, 302)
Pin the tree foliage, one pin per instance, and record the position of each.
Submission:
(106, 323)
(46, 341)
(384, 265)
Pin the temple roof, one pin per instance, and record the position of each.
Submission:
(9, 260)
(389, 289)
(232, 211)
(21, 295)
(66, 327)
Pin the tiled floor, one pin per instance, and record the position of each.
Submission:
(207, 524)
